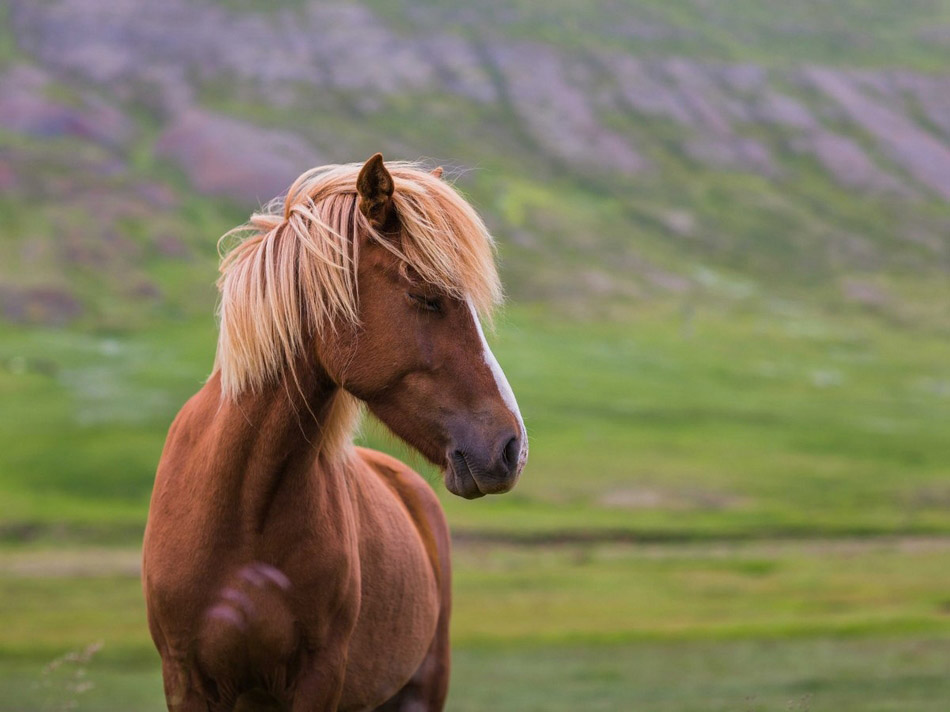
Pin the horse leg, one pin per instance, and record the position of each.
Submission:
(320, 685)
(180, 694)
(192, 702)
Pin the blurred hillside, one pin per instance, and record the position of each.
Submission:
(724, 226)
(725, 229)
(623, 152)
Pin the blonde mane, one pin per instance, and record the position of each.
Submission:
(292, 274)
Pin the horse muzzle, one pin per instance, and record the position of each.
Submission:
(474, 470)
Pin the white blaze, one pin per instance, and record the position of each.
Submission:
(504, 388)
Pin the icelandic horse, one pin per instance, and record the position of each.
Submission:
(285, 568)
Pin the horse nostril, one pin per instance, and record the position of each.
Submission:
(511, 452)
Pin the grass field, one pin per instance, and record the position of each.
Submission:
(727, 423)
(827, 625)
(813, 675)
(739, 508)
(735, 376)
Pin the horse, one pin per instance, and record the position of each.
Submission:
(285, 568)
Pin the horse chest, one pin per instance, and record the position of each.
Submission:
(399, 605)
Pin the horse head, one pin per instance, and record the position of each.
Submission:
(419, 358)
(376, 277)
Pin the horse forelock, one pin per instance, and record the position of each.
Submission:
(291, 272)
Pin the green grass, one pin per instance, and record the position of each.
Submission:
(827, 625)
(814, 675)
(757, 435)
(723, 426)
(528, 595)
(739, 422)
(749, 424)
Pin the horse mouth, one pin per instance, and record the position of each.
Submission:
(459, 479)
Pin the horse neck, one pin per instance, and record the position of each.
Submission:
(266, 446)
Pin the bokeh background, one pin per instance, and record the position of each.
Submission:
(724, 228)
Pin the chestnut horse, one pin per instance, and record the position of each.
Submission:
(284, 568)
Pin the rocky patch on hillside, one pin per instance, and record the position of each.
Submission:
(28, 106)
(884, 131)
(85, 233)
(224, 156)
(114, 114)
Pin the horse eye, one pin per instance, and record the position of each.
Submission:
(431, 304)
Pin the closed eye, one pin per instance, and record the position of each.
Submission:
(432, 304)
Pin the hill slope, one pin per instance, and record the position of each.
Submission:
(627, 151)
(725, 229)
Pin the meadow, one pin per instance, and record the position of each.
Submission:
(731, 422)
(723, 231)
(778, 626)
(738, 508)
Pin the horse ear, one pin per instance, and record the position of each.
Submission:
(437, 172)
(375, 187)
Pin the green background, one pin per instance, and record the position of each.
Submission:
(737, 497)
